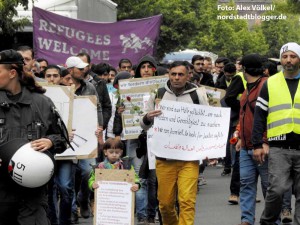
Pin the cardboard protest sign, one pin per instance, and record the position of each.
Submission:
(214, 95)
(85, 122)
(114, 201)
(62, 97)
(190, 132)
(132, 93)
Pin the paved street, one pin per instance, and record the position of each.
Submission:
(212, 206)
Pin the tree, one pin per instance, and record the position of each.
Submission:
(179, 20)
(281, 31)
(8, 25)
(220, 32)
(197, 24)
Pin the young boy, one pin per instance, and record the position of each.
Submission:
(113, 150)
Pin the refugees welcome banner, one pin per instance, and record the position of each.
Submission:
(57, 37)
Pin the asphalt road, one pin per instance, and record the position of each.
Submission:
(212, 207)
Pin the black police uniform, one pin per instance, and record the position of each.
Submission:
(31, 116)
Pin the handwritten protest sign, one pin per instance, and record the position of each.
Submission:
(190, 132)
(114, 201)
(132, 93)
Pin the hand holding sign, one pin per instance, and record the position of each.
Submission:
(150, 115)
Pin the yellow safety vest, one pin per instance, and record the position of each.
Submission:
(284, 114)
(244, 83)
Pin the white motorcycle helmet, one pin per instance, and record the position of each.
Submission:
(27, 167)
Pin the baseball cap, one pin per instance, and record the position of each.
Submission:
(11, 57)
(291, 46)
(252, 61)
(75, 61)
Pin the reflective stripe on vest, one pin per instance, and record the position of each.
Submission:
(284, 116)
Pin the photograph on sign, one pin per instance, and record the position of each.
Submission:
(133, 94)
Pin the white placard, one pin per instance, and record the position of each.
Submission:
(190, 132)
(85, 121)
(114, 199)
(60, 95)
(151, 156)
(136, 83)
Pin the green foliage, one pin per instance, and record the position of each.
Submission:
(179, 20)
(195, 24)
(7, 12)
(279, 32)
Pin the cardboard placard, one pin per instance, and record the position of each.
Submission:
(114, 198)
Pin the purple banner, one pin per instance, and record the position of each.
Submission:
(57, 37)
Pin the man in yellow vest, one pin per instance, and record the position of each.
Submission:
(278, 108)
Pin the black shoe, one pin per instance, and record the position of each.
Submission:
(226, 172)
(74, 218)
(85, 211)
(151, 221)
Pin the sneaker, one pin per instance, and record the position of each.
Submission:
(201, 181)
(233, 199)
(151, 221)
(286, 216)
(74, 218)
(142, 221)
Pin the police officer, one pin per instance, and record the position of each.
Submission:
(24, 113)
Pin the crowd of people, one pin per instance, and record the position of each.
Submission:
(262, 139)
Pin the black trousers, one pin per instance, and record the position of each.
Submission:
(30, 209)
(235, 177)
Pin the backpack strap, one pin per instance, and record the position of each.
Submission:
(160, 93)
(195, 97)
(193, 94)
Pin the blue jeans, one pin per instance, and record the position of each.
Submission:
(284, 172)
(84, 192)
(287, 199)
(65, 185)
(141, 196)
(52, 211)
(249, 171)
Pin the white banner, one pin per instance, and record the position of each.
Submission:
(190, 132)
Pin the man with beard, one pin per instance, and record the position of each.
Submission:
(198, 63)
(76, 67)
(100, 88)
(278, 110)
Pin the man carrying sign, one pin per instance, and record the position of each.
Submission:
(176, 176)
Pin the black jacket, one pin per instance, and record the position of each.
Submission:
(207, 79)
(221, 83)
(19, 117)
(104, 99)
